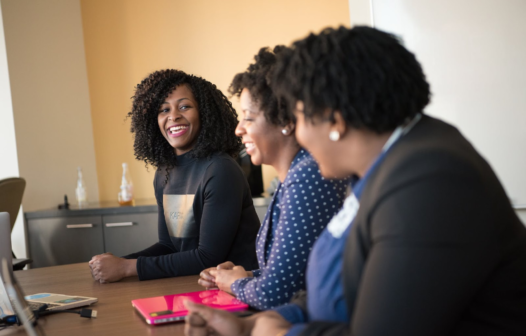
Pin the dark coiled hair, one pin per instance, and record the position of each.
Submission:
(217, 117)
(364, 73)
(257, 79)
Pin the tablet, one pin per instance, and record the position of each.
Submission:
(170, 308)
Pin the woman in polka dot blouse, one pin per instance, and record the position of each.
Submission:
(303, 203)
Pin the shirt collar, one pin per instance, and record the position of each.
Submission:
(302, 153)
(357, 184)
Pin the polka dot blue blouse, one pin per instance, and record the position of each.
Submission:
(299, 211)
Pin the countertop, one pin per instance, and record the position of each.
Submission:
(113, 208)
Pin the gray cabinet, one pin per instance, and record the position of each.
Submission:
(59, 241)
(74, 239)
(58, 237)
(261, 204)
(125, 234)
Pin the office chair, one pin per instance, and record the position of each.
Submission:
(11, 192)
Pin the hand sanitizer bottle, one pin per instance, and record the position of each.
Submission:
(126, 193)
(81, 193)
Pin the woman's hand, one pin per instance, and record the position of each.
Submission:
(202, 320)
(108, 268)
(207, 280)
(224, 278)
(270, 323)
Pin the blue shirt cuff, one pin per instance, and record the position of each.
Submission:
(292, 313)
(256, 273)
(237, 288)
(296, 329)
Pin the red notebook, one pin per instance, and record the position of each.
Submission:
(170, 308)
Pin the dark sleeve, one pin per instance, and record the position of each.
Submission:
(164, 246)
(321, 328)
(224, 186)
(295, 312)
(430, 247)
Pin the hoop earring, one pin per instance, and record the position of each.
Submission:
(334, 135)
(284, 131)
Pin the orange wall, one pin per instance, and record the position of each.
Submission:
(125, 40)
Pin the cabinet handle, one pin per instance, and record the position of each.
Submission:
(79, 226)
(119, 224)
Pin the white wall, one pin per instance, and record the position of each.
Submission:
(361, 12)
(474, 55)
(51, 106)
(8, 153)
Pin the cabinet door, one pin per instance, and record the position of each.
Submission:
(261, 211)
(68, 240)
(125, 234)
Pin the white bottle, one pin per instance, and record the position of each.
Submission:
(126, 193)
(81, 193)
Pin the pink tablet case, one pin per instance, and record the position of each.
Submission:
(170, 308)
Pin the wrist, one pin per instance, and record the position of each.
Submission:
(131, 267)
(228, 289)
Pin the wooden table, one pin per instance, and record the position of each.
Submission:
(116, 315)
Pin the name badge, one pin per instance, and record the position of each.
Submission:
(344, 218)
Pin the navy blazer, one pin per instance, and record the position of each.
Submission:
(436, 247)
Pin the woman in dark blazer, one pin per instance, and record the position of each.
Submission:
(432, 243)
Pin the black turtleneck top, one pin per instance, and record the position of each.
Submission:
(206, 217)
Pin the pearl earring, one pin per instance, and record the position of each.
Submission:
(284, 131)
(334, 135)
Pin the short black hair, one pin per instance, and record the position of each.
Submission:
(217, 117)
(257, 79)
(364, 73)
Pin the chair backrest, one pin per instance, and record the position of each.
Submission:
(11, 192)
(5, 240)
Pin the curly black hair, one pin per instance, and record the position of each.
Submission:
(257, 79)
(364, 73)
(217, 117)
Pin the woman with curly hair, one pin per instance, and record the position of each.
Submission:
(184, 126)
(296, 215)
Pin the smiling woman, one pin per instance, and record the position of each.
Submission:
(184, 126)
(179, 119)
(301, 207)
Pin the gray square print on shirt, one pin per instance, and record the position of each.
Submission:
(179, 215)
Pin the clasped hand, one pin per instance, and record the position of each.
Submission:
(108, 268)
(222, 276)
